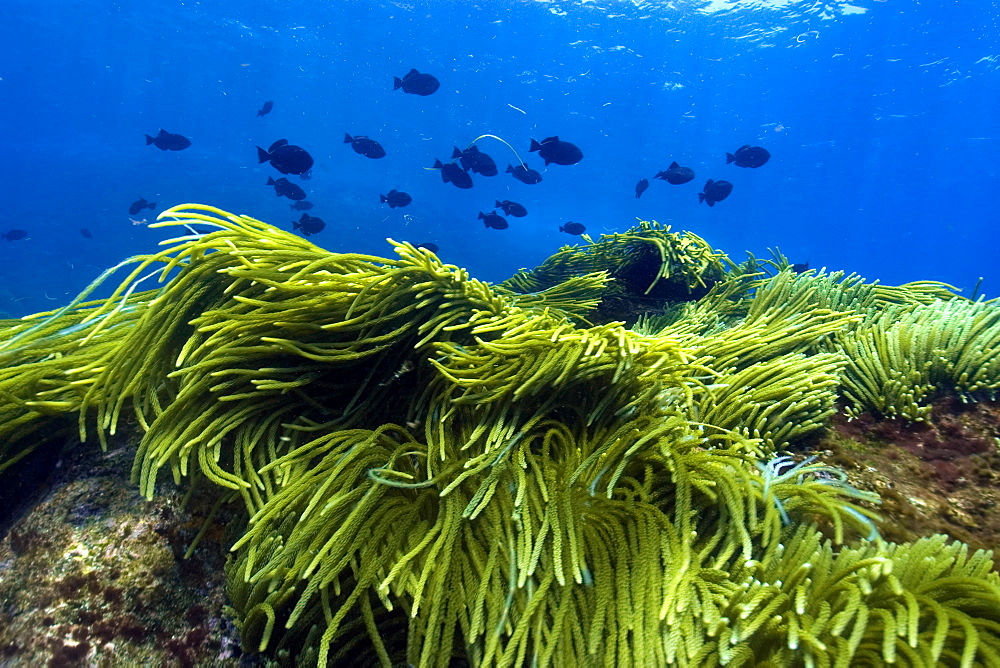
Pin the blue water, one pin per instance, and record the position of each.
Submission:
(881, 116)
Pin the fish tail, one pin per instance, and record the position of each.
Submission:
(262, 155)
(498, 203)
(437, 164)
(535, 146)
(382, 199)
(151, 205)
(456, 153)
(270, 181)
(701, 198)
(347, 138)
(149, 140)
(730, 158)
(397, 83)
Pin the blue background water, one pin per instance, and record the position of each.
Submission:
(881, 117)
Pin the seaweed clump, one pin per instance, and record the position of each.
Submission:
(648, 266)
(436, 469)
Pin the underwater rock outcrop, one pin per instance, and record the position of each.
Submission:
(433, 468)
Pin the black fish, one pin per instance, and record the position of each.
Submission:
(395, 198)
(365, 146)
(416, 83)
(302, 205)
(14, 235)
(266, 109)
(748, 156)
(512, 208)
(572, 228)
(286, 158)
(308, 224)
(640, 187)
(553, 149)
(675, 174)
(474, 160)
(166, 141)
(86, 233)
(432, 247)
(285, 188)
(453, 174)
(715, 191)
(524, 174)
(140, 204)
(800, 267)
(493, 220)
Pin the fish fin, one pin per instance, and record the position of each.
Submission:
(162, 133)
(638, 194)
(149, 140)
(708, 184)
(412, 73)
(348, 139)
(701, 197)
(397, 83)
(730, 158)
(711, 202)
(262, 155)
(535, 146)
(278, 144)
(743, 148)
(673, 165)
(548, 139)
(546, 162)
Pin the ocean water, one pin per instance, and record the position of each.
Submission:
(881, 117)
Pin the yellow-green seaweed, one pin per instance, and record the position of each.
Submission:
(436, 468)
